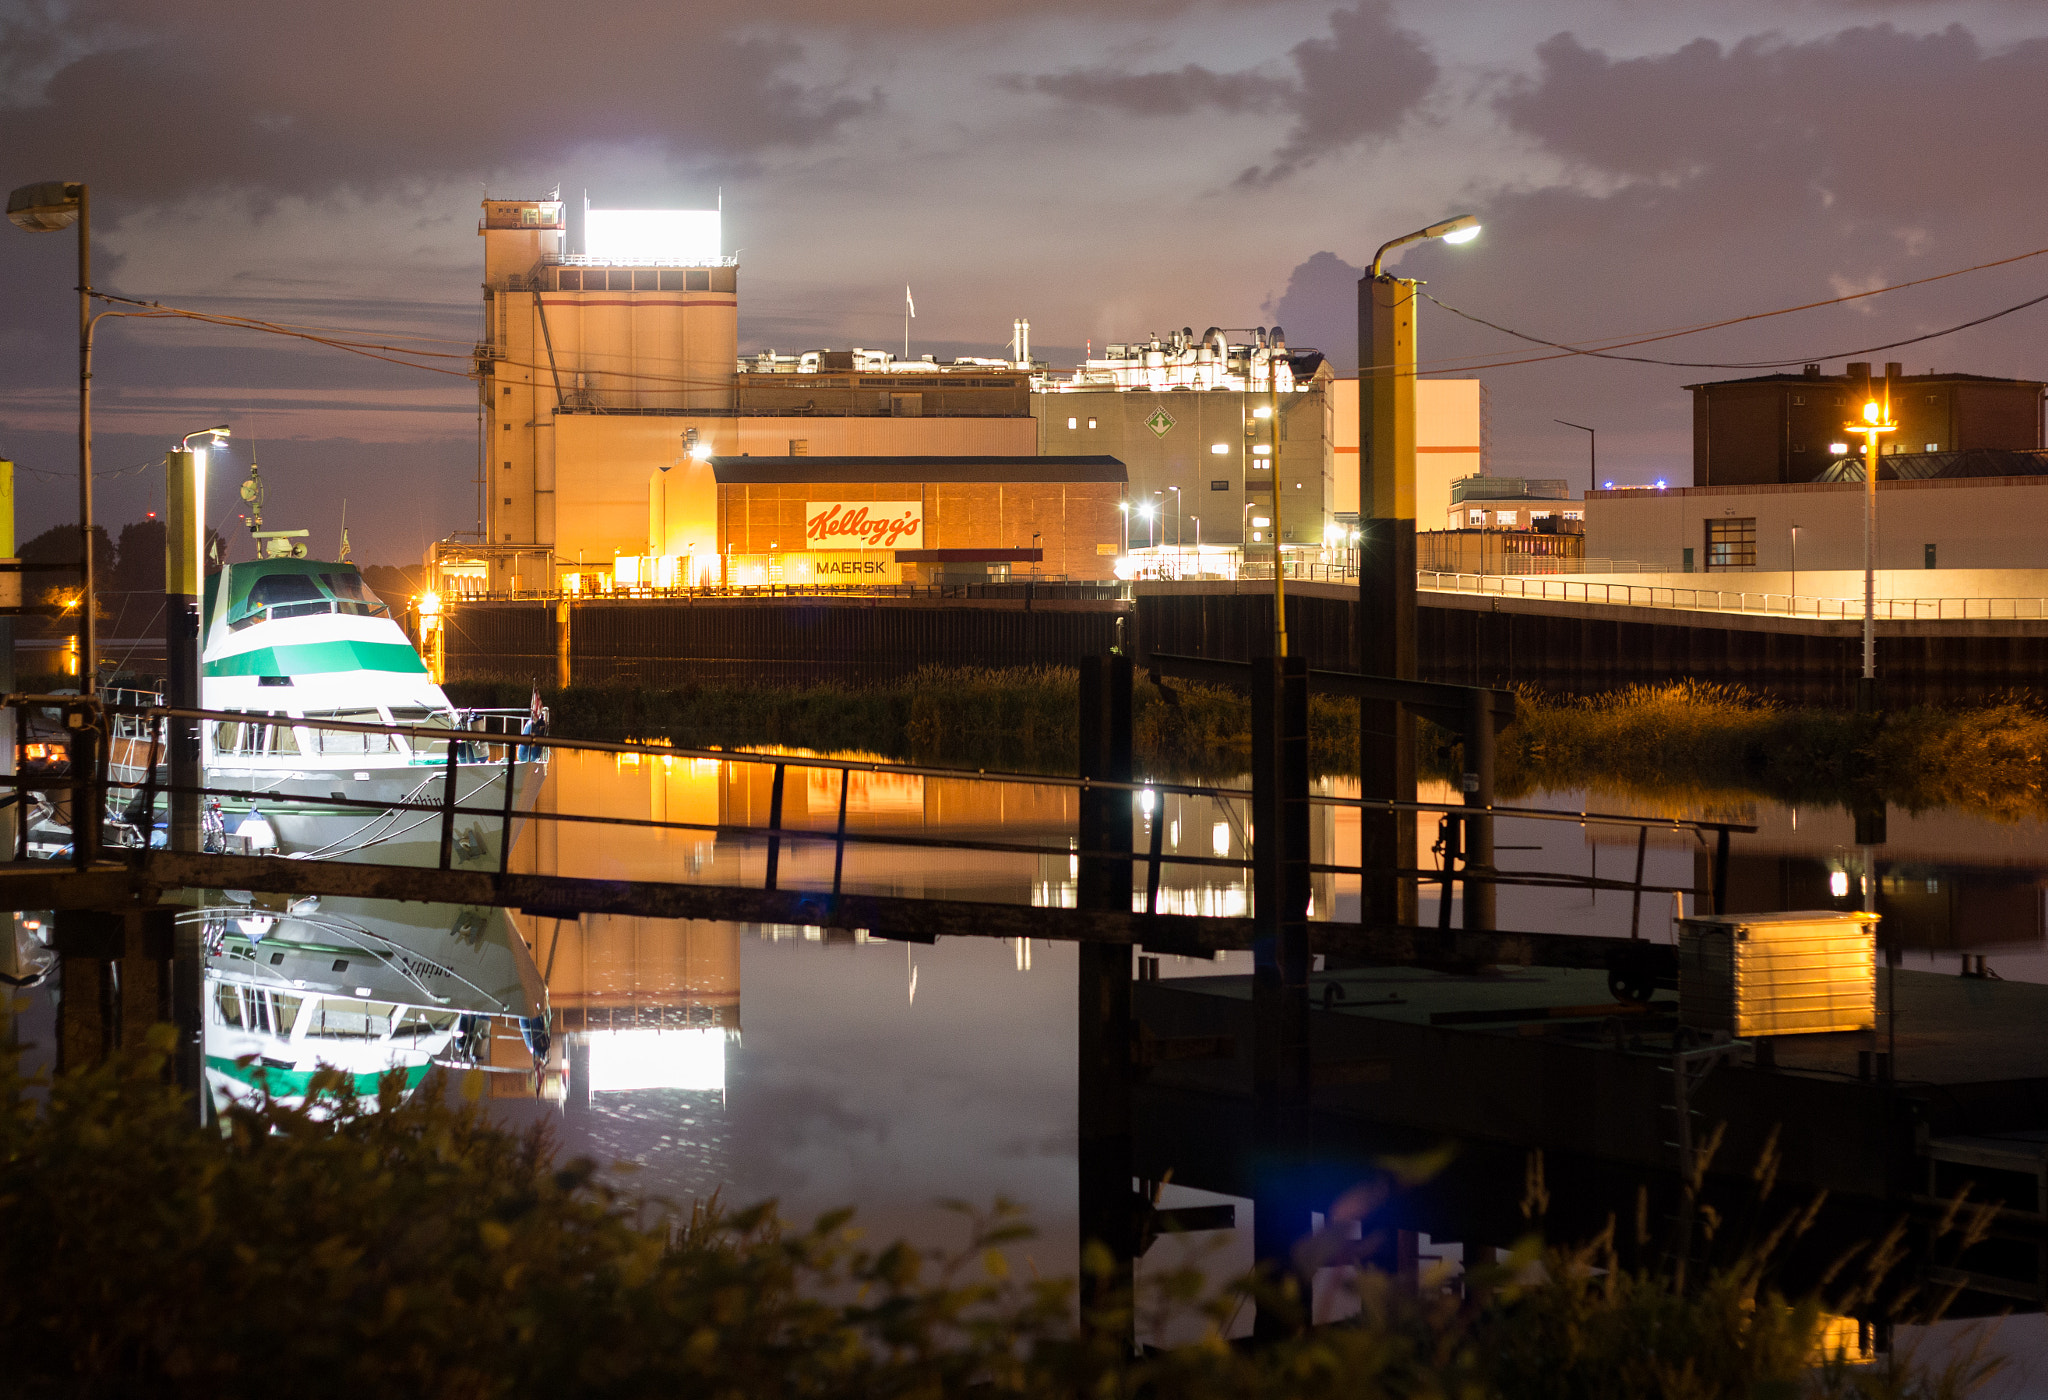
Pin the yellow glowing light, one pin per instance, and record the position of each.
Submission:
(1872, 413)
(430, 604)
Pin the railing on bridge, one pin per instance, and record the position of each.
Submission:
(144, 783)
(1558, 589)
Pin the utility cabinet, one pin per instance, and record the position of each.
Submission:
(1795, 973)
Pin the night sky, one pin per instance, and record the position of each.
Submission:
(1639, 168)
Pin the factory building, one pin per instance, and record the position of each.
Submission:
(1193, 420)
(1785, 428)
(879, 519)
(602, 367)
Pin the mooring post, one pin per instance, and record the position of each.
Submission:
(1280, 959)
(1104, 1025)
(1480, 894)
(116, 967)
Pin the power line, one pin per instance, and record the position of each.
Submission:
(1738, 364)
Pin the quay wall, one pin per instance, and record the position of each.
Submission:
(1462, 638)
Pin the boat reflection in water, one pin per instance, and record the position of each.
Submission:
(364, 988)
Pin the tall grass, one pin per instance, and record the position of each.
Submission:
(1684, 741)
(419, 1249)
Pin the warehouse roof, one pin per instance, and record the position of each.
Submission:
(772, 471)
(1943, 466)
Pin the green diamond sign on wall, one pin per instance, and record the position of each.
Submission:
(1161, 422)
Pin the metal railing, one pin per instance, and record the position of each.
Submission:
(97, 789)
(1558, 589)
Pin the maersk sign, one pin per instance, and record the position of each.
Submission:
(313, 658)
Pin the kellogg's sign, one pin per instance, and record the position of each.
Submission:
(864, 524)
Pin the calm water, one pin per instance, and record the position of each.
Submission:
(826, 1069)
(831, 1070)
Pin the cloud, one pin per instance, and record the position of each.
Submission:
(1943, 118)
(1358, 84)
(155, 102)
(1319, 309)
(1166, 94)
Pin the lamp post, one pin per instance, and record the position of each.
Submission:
(1176, 515)
(1877, 421)
(1386, 565)
(51, 207)
(1792, 601)
(184, 583)
(1123, 513)
(1592, 452)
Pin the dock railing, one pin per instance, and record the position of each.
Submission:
(113, 793)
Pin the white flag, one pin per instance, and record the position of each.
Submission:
(907, 302)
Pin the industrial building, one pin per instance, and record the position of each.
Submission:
(1450, 444)
(1962, 510)
(602, 367)
(1784, 428)
(883, 519)
(1194, 420)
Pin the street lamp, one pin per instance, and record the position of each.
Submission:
(1462, 229)
(1176, 515)
(1386, 573)
(1877, 421)
(52, 207)
(1592, 451)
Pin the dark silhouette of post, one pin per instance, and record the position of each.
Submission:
(1104, 1027)
(1280, 963)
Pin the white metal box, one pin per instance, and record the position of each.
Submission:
(1795, 973)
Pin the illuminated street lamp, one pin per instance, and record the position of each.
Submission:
(1877, 421)
(52, 207)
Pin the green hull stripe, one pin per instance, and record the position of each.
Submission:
(293, 1083)
(314, 658)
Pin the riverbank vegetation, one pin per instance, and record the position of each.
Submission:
(1688, 739)
(419, 1250)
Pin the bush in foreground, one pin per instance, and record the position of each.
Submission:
(417, 1249)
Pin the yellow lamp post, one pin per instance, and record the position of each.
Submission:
(1386, 560)
(1877, 421)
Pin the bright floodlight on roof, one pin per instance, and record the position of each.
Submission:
(688, 237)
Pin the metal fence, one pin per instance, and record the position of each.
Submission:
(1552, 588)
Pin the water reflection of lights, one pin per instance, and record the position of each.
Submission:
(623, 1061)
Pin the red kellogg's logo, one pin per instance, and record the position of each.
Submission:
(872, 524)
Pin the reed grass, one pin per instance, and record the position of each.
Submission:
(401, 1245)
(1688, 741)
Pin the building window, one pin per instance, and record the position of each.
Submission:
(1476, 517)
(1215, 485)
(1934, 447)
(508, 391)
(1505, 519)
(508, 466)
(508, 537)
(508, 500)
(508, 427)
(799, 447)
(1731, 544)
(1073, 423)
(1091, 422)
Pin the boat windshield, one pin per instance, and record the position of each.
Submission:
(350, 741)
